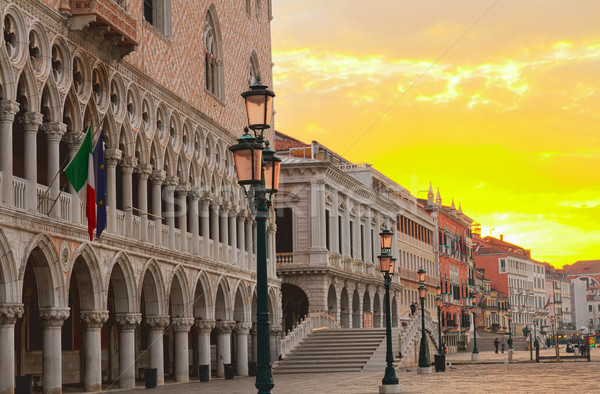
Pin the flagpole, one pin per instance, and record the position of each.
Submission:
(57, 197)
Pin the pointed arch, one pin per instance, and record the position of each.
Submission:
(203, 301)
(179, 294)
(8, 82)
(27, 92)
(241, 309)
(156, 157)
(126, 142)
(169, 162)
(42, 254)
(94, 297)
(213, 46)
(122, 281)
(141, 149)
(152, 284)
(222, 299)
(72, 115)
(51, 105)
(9, 281)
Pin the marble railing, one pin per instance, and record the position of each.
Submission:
(299, 332)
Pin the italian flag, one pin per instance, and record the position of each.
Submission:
(80, 172)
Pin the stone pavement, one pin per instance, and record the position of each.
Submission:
(518, 377)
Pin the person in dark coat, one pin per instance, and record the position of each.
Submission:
(502, 343)
(413, 308)
(496, 343)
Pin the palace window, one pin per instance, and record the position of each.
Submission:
(158, 14)
(213, 61)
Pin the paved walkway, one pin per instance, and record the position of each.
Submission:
(518, 377)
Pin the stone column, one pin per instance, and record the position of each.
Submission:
(214, 224)
(9, 313)
(181, 327)
(242, 238)
(127, 323)
(241, 347)
(53, 319)
(253, 333)
(74, 140)
(224, 225)
(92, 323)
(111, 158)
(317, 220)
(249, 245)
(275, 342)
(157, 326)
(205, 218)
(127, 166)
(203, 329)
(193, 212)
(31, 124)
(54, 133)
(8, 110)
(334, 223)
(157, 178)
(171, 182)
(144, 171)
(233, 234)
(182, 212)
(223, 346)
(368, 253)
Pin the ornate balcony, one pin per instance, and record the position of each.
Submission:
(108, 20)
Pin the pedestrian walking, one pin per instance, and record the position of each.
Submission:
(496, 343)
(510, 346)
(502, 344)
(413, 308)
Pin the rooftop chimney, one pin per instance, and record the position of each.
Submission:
(501, 237)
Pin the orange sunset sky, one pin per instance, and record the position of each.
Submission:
(507, 120)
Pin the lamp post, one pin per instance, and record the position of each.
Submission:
(387, 265)
(440, 358)
(509, 316)
(475, 354)
(424, 366)
(258, 168)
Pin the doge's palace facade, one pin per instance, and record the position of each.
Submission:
(171, 282)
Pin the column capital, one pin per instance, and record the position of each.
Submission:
(144, 170)
(243, 328)
(54, 316)
(204, 326)
(73, 139)
(225, 326)
(128, 163)
(226, 206)
(242, 214)
(54, 131)
(183, 188)
(275, 329)
(32, 121)
(9, 313)
(158, 323)
(182, 324)
(172, 181)
(195, 193)
(128, 320)
(8, 110)
(94, 319)
(112, 156)
(215, 203)
(158, 177)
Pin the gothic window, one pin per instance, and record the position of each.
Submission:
(158, 14)
(249, 7)
(253, 69)
(258, 10)
(213, 61)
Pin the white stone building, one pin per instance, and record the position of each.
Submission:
(329, 215)
(172, 279)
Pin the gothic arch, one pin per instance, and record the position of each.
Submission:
(153, 286)
(126, 143)
(9, 283)
(203, 305)
(51, 103)
(27, 90)
(46, 265)
(242, 301)
(124, 285)
(141, 149)
(93, 292)
(155, 158)
(179, 294)
(213, 46)
(223, 306)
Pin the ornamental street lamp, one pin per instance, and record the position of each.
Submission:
(387, 266)
(475, 354)
(424, 366)
(440, 358)
(258, 168)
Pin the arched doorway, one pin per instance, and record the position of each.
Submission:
(204, 325)
(376, 311)
(332, 302)
(356, 318)
(221, 336)
(344, 309)
(180, 328)
(295, 305)
(366, 309)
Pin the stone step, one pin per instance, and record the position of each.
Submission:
(282, 370)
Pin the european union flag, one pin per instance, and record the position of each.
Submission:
(100, 185)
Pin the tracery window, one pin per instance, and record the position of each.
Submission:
(213, 61)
